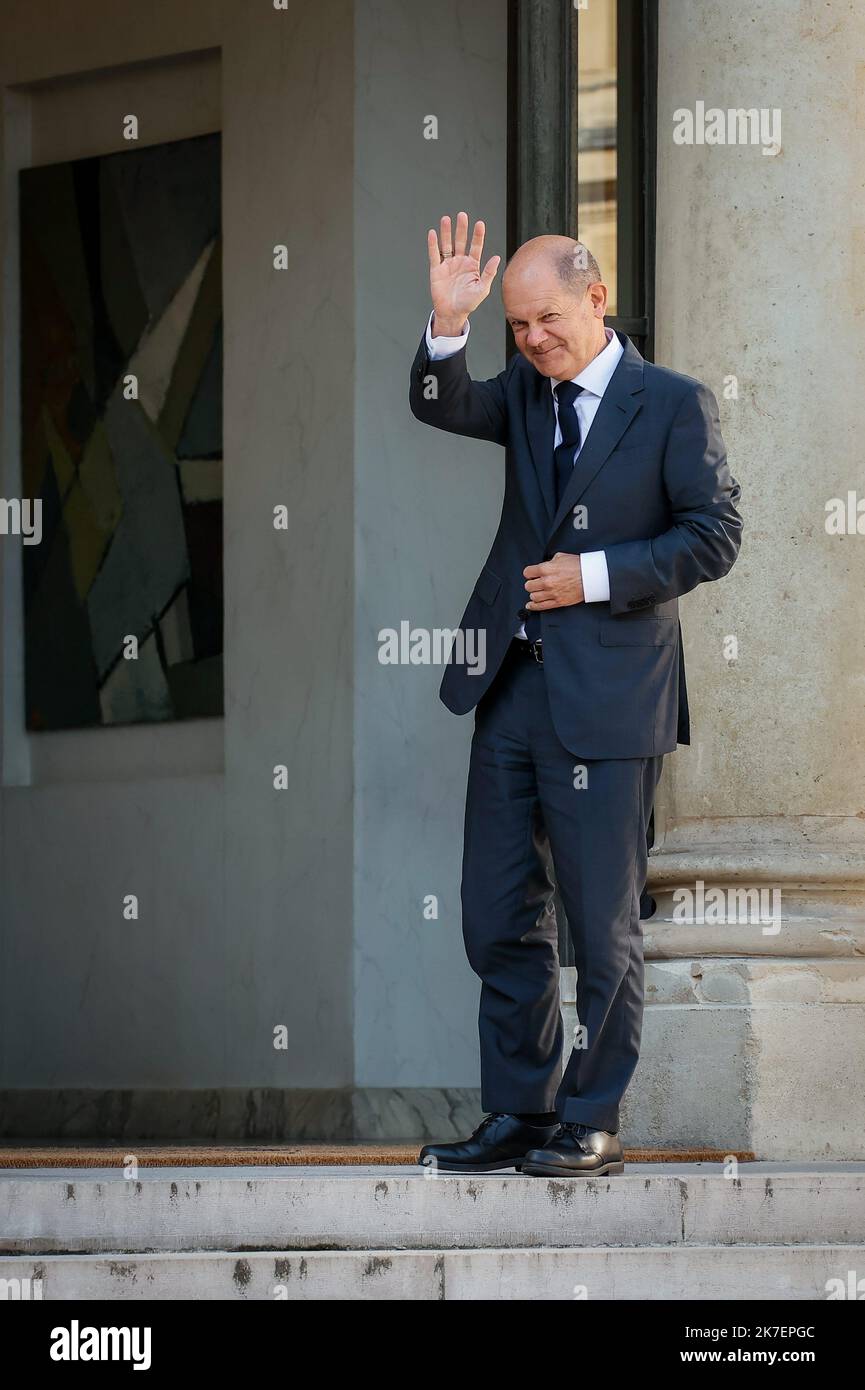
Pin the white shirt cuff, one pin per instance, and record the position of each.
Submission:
(442, 346)
(596, 577)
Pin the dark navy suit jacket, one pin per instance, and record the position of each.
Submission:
(658, 499)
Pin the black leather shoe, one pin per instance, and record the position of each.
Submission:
(500, 1141)
(576, 1151)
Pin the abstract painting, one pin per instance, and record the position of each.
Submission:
(121, 430)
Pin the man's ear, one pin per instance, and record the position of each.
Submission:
(598, 295)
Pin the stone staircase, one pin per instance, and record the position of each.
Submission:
(659, 1231)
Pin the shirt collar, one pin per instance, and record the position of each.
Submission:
(595, 377)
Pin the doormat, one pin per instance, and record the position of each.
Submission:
(281, 1155)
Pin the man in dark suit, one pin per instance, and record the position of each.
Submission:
(618, 499)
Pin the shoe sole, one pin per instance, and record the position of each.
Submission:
(444, 1167)
(547, 1170)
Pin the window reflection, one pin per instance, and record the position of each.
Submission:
(596, 157)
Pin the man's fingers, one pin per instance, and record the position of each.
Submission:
(446, 239)
(449, 242)
(489, 271)
(536, 571)
(538, 605)
(462, 233)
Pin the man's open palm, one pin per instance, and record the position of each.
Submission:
(457, 285)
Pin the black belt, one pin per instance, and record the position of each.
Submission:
(531, 650)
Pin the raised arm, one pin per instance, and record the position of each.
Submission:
(441, 392)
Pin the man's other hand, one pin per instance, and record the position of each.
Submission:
(557, 583)
(456, 283)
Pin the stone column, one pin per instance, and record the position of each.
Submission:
(755, 1033)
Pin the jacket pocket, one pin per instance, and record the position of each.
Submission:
(637, 631)
(488, 585)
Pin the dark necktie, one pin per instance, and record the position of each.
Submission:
(566, 393)
(569, 424)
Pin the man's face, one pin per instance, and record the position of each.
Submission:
(558, 330)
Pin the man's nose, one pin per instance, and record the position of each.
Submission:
(535, 337)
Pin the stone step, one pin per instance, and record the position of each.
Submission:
(667, 1272)
(315, 1209)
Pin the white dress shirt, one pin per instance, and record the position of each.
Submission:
(594, 379)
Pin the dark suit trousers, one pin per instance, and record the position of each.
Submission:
(524, 793)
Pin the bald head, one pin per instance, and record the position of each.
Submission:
(570, 261)
(555, 302)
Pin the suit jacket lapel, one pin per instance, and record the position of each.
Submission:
(541, 427)
(619, 404)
